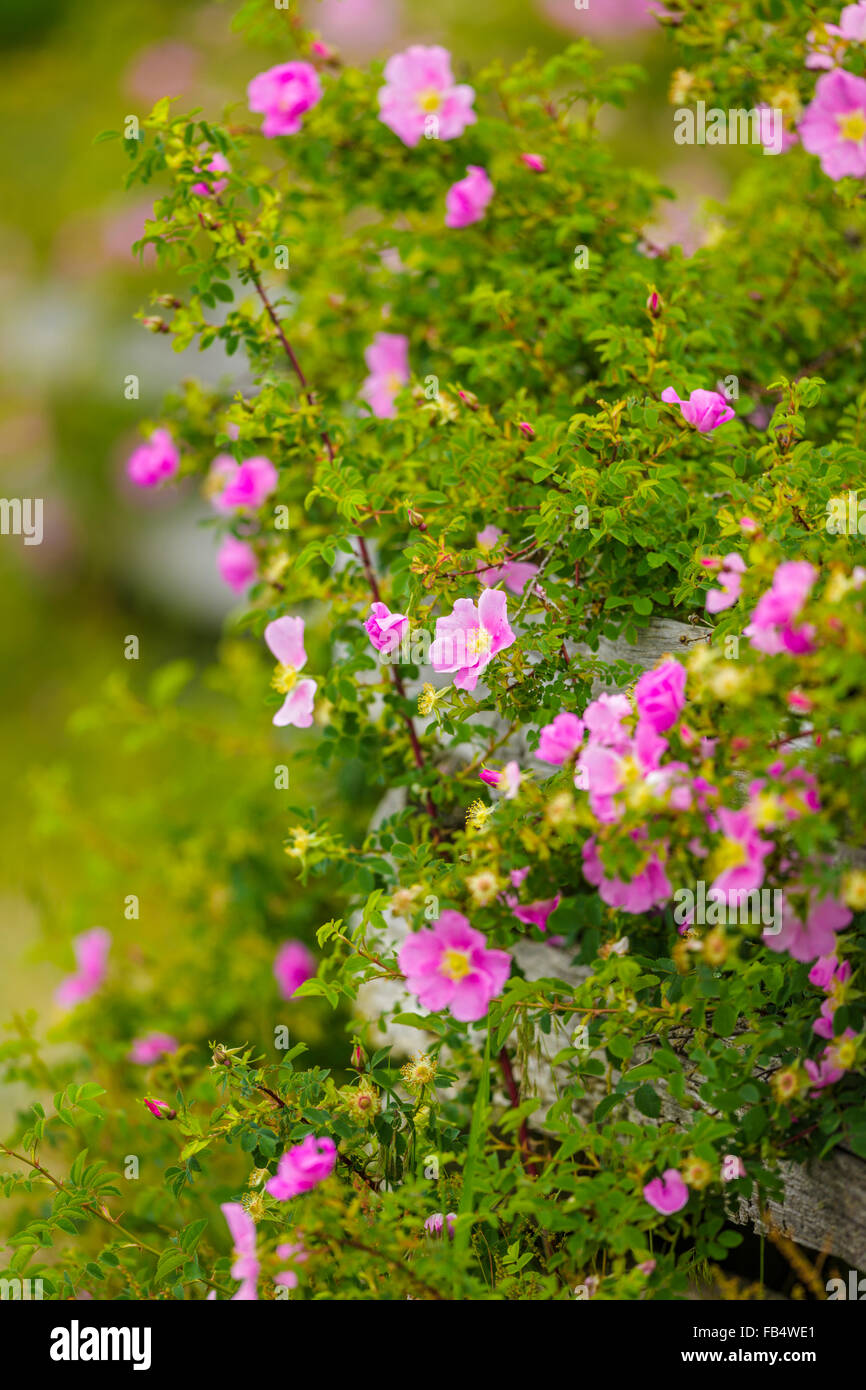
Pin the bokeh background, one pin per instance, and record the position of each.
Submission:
(101, 802)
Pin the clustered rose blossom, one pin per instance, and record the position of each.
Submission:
(91, 954)
(150, 463)
(706, 410)
(293, 964)
(419, 85)
(466, 201)
(449, 966)
(387, 360)
(300, 1169)
(242, 1229)
(282, 94)
(147, 1050)
(285, 637)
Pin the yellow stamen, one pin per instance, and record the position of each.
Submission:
(852, 126)
(284, 679)
(455, 964)
(429, 100)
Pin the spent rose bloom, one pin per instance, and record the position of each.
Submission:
(561, 739)
(285, 637)
(293, 964)
(91, 953)
(706, 410)
(448, 965)
(730, 582)
(242, 1229)
(817, 935)
(151, 462)
(387, 360)
(216, 164)
(468, 638)
(466, 200)
(384, 628)
(282, 94)
(667, 1193)
(147, 1050)
(419, 85)
(834, 125)
(660, 695)
(237, 563)
(302, 1167)
(514, 574)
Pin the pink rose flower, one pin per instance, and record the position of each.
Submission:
(667, 1193)
(814, 937)
(514, 574)
(244, 485)
(660, 695)
(533, 914)
(91, 953)
(603, 719)
(706, 410)
(771, 629)
(767, 130)
(285, 637)
(160, 1109)
(560, 740)
(387, 360)
(419, 86)
(535, 161)
(507, 781)
(216, 164)
(153, 461)
(290, 1250)
(282, 94)
(147, 1050)
(730, 582)
(301, 1168)
(850, 29)
(834, 126)
(384, 628)
(242, 1229)
(607, 17)
(449, 966)
(827, 972)
(468, 638)
(237, 563)
(293, 965)
(467, 199)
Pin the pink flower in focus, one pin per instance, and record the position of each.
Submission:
(834, 126)
(285, 637)
(282, 94)
(706, 410)
(660, 695)
(216, 164)
(160, 1109)
(814, 937)
(242, 1229)
(560, 740)
(91, 953)
(293, 964)
(384, 628)
(535, 161)
(237, 563)
(467, 199)
(730, 582)
(302, 1167)
(153, 461)
(468, 638)
(515, 574)
(419, 87)
(667, 1193)
(449, 966)
(147, 1050)
(387, 360)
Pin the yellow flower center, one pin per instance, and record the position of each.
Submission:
(455, 964)
(284, 679)
(852, 126)
(478, 642)
(429, 100)
(729, 855)
(395, 381)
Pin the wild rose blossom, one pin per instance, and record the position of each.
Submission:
(296, 1252)
(660, 695)
(514, 574)
(829, 47)
(706, 410)
(814, 937)
(242, 1229)
(91, 953)
(419, 85)
(301, 1168)
(448, 965)
(834, 126)
(282, 94)
(216, 164)
(384, 628)
(531, 914)
(561, 739)
(237, 563)
(242, 485)
(730, 582)
(468, 638)
(147, 1050)
(507, 781)
(772, 629)
(160, 1109)
(150, 463)
(466, 201)
(387, 360)
(293, 964)
(648, 889)
(667, 1193)
(536, 162)
(827, 973)
(285, 637)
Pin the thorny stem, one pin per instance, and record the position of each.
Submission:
(514, 1098)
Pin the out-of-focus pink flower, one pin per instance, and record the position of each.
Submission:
(216, 164)
(285, 637)
(814, 937)
(515, 574)
(603, 718)
(147, 1050)
(667, 1193)
(91, 953)
(387, 360)
(244, 485)
(743, 851)
(771, 629)
(826, 1071)
(384, 628)
(468, 638)
(525, 428)
(507, 781)
(606, 17)
(359, 28)
(153, 461)
(293, 964)
(160, 1109)
(161, 68)
(531, 914)
(732, 1168)
(436, 1224)
(834, 126)
(301, 1168)
(660, 695)
(768, 131)
(536, 162)
(419, 85)
(294, 1251)
(242, 1229)
(798, 702)
(449, 966)
(706, 410)
(650, 888)
(730, 583)
(561, 739)
(466, 200)
(237, 563)
(826, 973)
(828, 49)
(282, 94)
